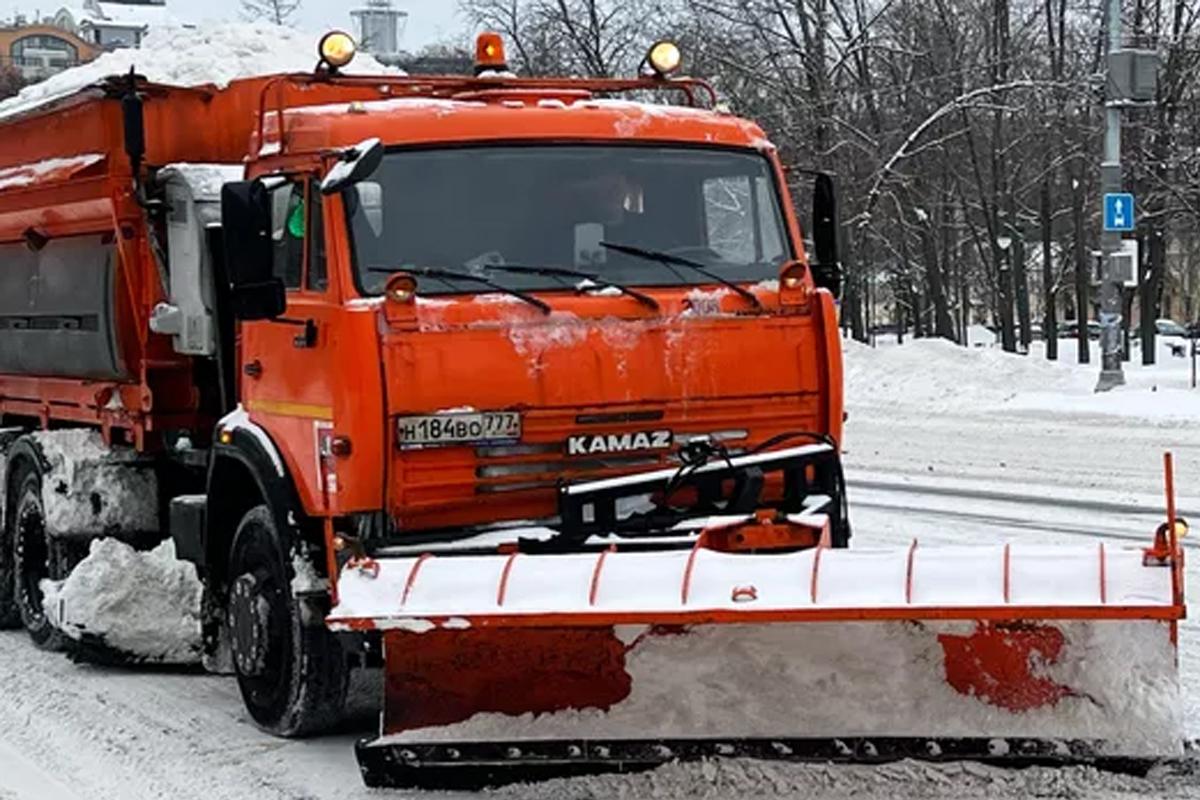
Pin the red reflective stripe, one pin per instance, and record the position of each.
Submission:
(596, 574)
(687, 571)
(908, 577)
(1103, 576)
(1007, 572)
(503, 590)
(412, 577)
(815, 569)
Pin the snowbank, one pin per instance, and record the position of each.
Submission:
(938, 376)
(146, 605)
(941, 376)
(187, 55)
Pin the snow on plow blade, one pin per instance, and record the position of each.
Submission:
(499, 665)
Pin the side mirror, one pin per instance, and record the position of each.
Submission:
(826, 233)
(246, 230)
(356, 165)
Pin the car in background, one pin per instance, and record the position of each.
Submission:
(1169, 328)
(1070, 330)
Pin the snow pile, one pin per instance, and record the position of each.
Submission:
(941, 376)
(862, 679)
(88, 489)
(146, 605)
(185, 55)
(935, 375)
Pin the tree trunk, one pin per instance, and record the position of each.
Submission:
(1049, 298)
(1149, 283)
(1022, 287)
(1083, 282)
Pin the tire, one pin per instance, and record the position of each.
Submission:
(10, 613)
(36, 556)
(292, 676)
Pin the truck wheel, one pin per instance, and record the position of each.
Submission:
(10, 613)
(292, 676)
(36, 557)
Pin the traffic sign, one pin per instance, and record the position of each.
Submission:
(1118, 212)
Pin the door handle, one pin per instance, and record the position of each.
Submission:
(254, 369)
(305, 340)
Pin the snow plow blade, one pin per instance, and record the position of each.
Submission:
(1069, 649)
(519, 664)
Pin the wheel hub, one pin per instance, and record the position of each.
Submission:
(250, 621)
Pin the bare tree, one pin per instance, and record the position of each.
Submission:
(280, 12)
(954, 126)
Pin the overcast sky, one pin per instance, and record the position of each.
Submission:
(429, 21)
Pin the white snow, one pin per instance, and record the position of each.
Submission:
(206, 180)
(305, 579)
(191, 55)
(941, 376)
(859, 679)
(90, 489)
(144, 604)
(28, 174)
(705, 302)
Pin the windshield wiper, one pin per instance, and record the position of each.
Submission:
(564, 272)
(446, 275)
(668, 259)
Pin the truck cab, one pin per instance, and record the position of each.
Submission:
(458, 313)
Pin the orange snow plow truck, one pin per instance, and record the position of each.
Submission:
(528, 392)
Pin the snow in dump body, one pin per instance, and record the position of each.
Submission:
(652, 582)
(192, 55)
(860, 679)
(146, 605)
(22, 175)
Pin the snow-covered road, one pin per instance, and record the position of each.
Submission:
(976, 470)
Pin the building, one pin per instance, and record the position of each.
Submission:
(112, 24)
(40, 50)
(380, 28)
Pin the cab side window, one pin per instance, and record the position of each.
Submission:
(290, 223)
(318, 272)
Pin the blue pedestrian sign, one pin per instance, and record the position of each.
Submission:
(1118, 212)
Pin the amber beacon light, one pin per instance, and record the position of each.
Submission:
(489, 54)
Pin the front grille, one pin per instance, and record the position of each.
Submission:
(517, 468)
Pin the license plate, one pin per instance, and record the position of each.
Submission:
(433, 430)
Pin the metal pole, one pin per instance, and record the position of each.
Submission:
(1111, 372)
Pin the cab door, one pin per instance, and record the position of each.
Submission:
(287, 363)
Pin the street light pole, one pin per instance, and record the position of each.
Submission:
(1111, 372)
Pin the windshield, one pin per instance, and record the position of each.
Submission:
(468, 209)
